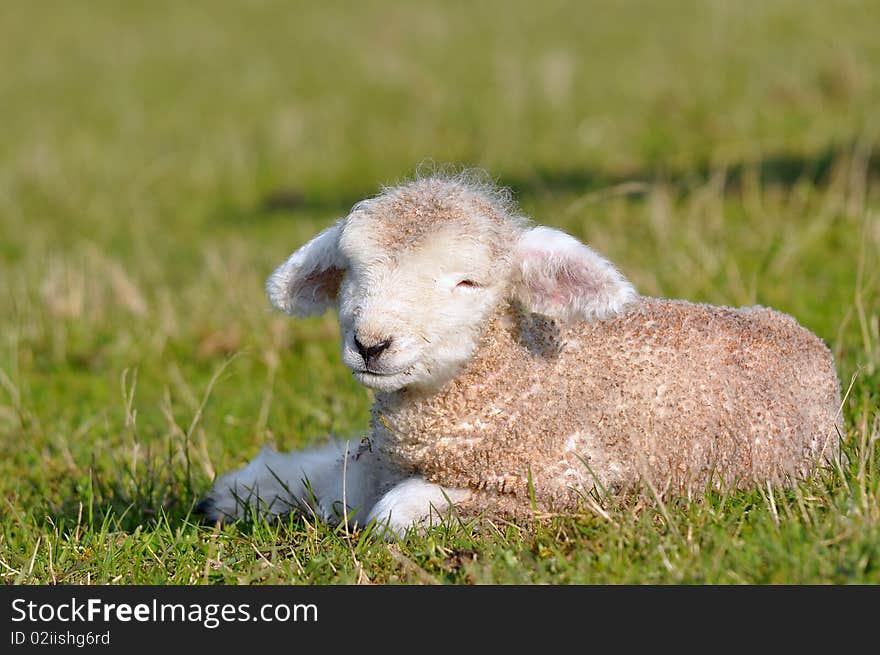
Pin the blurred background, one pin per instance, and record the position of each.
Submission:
(158, 159)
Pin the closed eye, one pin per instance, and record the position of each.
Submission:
(468, 284)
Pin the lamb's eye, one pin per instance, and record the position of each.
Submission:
(467, 284)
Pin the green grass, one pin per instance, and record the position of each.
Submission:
(157, 160)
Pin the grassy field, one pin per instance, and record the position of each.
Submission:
(158, 159)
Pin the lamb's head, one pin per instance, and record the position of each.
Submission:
(417, 271)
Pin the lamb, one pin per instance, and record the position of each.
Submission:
(515, 369)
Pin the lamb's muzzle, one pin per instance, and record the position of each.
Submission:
(524, 368)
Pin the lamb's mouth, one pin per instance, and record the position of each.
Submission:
(382, 380)
(377, 374)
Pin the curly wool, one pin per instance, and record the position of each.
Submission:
(681, 395)
(402, 217)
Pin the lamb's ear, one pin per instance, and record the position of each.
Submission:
(307, 283)
(557, 275)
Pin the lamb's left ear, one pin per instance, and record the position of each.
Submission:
(307, 283)
(557, 275)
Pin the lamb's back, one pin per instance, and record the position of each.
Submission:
(685, 393)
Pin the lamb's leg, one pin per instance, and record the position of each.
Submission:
(413, 502)
(315, 481)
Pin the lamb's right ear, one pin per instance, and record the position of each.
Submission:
(307, 283)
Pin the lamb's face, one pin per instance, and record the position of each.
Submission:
(411, 314)
(416, 272)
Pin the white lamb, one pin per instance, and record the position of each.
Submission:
(515, 369)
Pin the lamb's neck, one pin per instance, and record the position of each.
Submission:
(477, 416)
(516, 351)
(490, 359)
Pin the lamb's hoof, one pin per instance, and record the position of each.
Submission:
(207, 507)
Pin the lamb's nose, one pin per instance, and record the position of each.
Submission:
(370, 353)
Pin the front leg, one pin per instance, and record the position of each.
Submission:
(413, 502)
(336, 481)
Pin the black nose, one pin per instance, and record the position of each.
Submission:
(370, 353)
